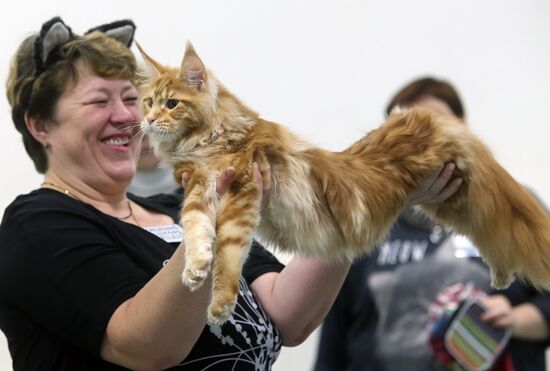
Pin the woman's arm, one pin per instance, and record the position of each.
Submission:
(298, 298)
(525, 320)
(158, 327)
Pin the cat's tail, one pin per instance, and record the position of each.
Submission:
(506, 223)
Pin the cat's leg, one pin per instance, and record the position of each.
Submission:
(198, 220)
(237, 219)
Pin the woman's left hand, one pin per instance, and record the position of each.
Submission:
(264, 187)
(499, 311)
(436, 187)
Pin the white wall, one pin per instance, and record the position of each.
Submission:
(327, 68)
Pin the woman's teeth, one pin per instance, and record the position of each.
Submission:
(121, 141)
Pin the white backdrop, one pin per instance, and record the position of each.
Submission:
(327, 68)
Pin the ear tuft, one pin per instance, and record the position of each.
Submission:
(395, 110)
(155, 68)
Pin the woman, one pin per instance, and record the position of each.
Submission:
(91, 275)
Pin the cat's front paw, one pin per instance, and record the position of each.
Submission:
(196, 271)
(220, 311)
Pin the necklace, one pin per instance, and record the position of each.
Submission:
(70, 194)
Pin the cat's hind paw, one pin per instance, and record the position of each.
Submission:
(219, 312)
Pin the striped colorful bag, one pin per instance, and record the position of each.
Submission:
(461, 340)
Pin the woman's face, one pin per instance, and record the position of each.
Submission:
(88, 138)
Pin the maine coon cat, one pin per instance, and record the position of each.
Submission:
(324, 203)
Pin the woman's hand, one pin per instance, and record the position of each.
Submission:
(525, 320)
(436, 187)
(264, 187)
(228, 176)
(499, 311)
(222, 183)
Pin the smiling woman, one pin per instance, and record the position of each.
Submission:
(90, 274)
(75, 102)
(87, 133)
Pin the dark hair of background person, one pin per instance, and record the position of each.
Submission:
(428, 86)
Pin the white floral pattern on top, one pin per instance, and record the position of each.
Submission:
(249, 339)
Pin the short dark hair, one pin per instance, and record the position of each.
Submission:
(428, 86)
(37, 95)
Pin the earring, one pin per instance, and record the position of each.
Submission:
(47, 146)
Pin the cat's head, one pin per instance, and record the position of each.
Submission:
(178, 103)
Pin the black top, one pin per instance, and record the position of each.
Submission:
(66, 266)
(380, 320)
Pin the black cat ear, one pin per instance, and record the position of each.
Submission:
(122, 31)
(53, 34)
(192, 69)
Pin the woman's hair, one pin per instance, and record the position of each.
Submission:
(428, 86)
(36, 95)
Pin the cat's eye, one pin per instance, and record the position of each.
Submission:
(148, 102)
(172, 103)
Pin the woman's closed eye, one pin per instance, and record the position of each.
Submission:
(130, 100)
(98, 102)
(102, 102)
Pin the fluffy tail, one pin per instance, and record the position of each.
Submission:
(506, 223)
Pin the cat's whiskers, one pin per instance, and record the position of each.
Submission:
(129, 126)
(141, 134)
(164, 133)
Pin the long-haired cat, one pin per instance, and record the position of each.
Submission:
(324, 203)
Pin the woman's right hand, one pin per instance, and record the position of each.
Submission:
(228, 176)
(222, 183)
(436, 187)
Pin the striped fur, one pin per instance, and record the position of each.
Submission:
(322, 203)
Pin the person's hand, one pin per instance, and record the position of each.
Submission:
(436, 187)
(264, 187)
(499, 311)
(222, 183)
(228, 175)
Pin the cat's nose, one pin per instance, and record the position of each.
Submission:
(151, 119)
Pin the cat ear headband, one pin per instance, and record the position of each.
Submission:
(54, 33)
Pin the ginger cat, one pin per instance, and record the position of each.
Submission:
(324, 203)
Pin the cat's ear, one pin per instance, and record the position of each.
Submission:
(122, 31)
(192, 69)
(155, 67)
(53, 34)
